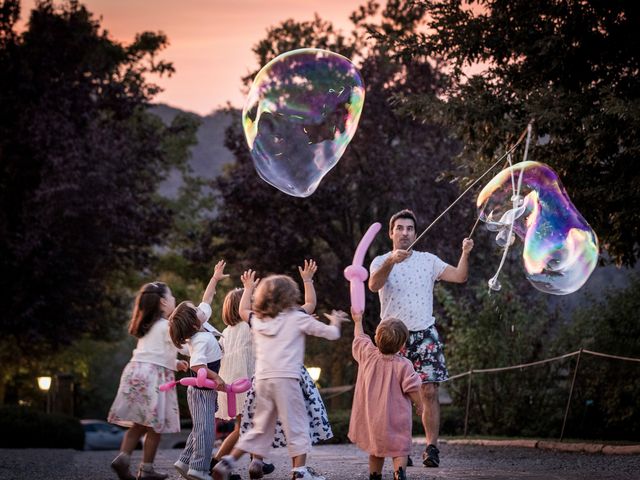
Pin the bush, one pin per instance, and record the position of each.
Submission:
(33, 429)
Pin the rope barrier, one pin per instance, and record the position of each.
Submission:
(335, 391)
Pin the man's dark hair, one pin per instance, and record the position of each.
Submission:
(406, 213)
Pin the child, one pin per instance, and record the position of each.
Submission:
(187, 324)
(237, 362)
(380, 421)
(139, 403)
(279, 330)
(320, 429)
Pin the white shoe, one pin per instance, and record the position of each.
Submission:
(198, 475)
(182, 469)
(306, 474)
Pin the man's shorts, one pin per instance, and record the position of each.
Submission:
(425, 351)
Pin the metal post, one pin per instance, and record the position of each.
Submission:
(466, 415)
(573, 382)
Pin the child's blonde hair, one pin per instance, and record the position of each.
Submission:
(231, 307)
(275, 294)
(391, 335)
(183, 323)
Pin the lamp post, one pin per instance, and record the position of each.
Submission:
(44, 384)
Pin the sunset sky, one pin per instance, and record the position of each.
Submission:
(210, 40)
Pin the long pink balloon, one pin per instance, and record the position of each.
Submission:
(239, 386)
(355, 273)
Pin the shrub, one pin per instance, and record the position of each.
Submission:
(32, 429)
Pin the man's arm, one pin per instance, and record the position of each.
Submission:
(379, 277)
(460, 273)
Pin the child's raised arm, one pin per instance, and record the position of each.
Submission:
(307, 274)
(249, 282)
(357, 321)
(218, 274)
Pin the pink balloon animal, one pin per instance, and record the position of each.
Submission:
(240, 385)
(355, 273)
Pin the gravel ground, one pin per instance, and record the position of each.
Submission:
(347, 462)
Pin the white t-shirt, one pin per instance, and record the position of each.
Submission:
(203, 346)
(156, 347)
(408, 292)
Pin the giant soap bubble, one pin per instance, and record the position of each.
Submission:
(301, 113)
(528, 200)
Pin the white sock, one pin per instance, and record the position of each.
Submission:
(146, 467)
(299, 469)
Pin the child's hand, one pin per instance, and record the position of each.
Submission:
(218, 271)
(357, 316)
(418, 408)
(218, 379)
(308, 271)
(248, 279)
(336, 317)
(182, 365)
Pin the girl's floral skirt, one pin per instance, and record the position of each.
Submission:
(139, 399)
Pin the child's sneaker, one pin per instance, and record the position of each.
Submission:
(223, 469)
(305, 473)
(120, 465)
(182, 468)
(198, 475)
(399, 474)
(256, 469)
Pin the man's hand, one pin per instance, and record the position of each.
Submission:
(398, 256)
(467, 245)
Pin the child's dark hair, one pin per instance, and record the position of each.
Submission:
(231, 307)
(146, 309)
(391, 335)
(275, 294)
(183, 323)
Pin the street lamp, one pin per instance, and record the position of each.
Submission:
(314, 373)
(44, 384)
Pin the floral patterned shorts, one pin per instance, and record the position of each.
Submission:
(425, 351)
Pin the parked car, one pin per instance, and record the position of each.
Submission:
(100, 435)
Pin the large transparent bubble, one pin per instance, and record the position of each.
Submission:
(301, 113)
(560, 248)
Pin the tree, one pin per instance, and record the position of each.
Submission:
(392, 163)
(571, 66)
(80, 162)
(606, 392)
(489, 330)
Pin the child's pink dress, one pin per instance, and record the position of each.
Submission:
(381, 414)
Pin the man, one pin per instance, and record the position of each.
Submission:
(404, 281)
